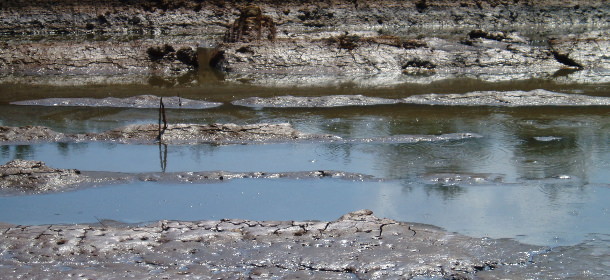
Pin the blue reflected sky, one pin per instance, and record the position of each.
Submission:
(526, 212)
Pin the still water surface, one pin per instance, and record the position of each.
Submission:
(548, 167)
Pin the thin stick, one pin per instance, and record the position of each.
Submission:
(163, 112)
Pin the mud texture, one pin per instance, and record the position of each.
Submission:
(183, 134)
(358, 245)
(537, 97)
(490, 40)
(141, 101)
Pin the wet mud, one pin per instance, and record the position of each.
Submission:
(357, 245)
(141, 101)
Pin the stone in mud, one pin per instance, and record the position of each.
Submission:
(35, 176)
(140, 101)
(356, 245)
(315, 102)
(537, 97)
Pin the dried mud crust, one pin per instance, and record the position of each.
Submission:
(358, 245)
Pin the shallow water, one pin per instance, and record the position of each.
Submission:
(540, 175)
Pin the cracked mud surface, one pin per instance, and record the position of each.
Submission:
(358, 245)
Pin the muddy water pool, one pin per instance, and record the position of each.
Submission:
(540, 175)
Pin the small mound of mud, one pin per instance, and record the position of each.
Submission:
(289, 101)
(140, 101)
(29, 175)
(537, 97)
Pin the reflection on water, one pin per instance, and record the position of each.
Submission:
(549, 179)
(517, 211)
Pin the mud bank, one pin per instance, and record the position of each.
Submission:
(141, 101)
(356, 245)
(538, 97)
(487, 39)
(182, 134)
